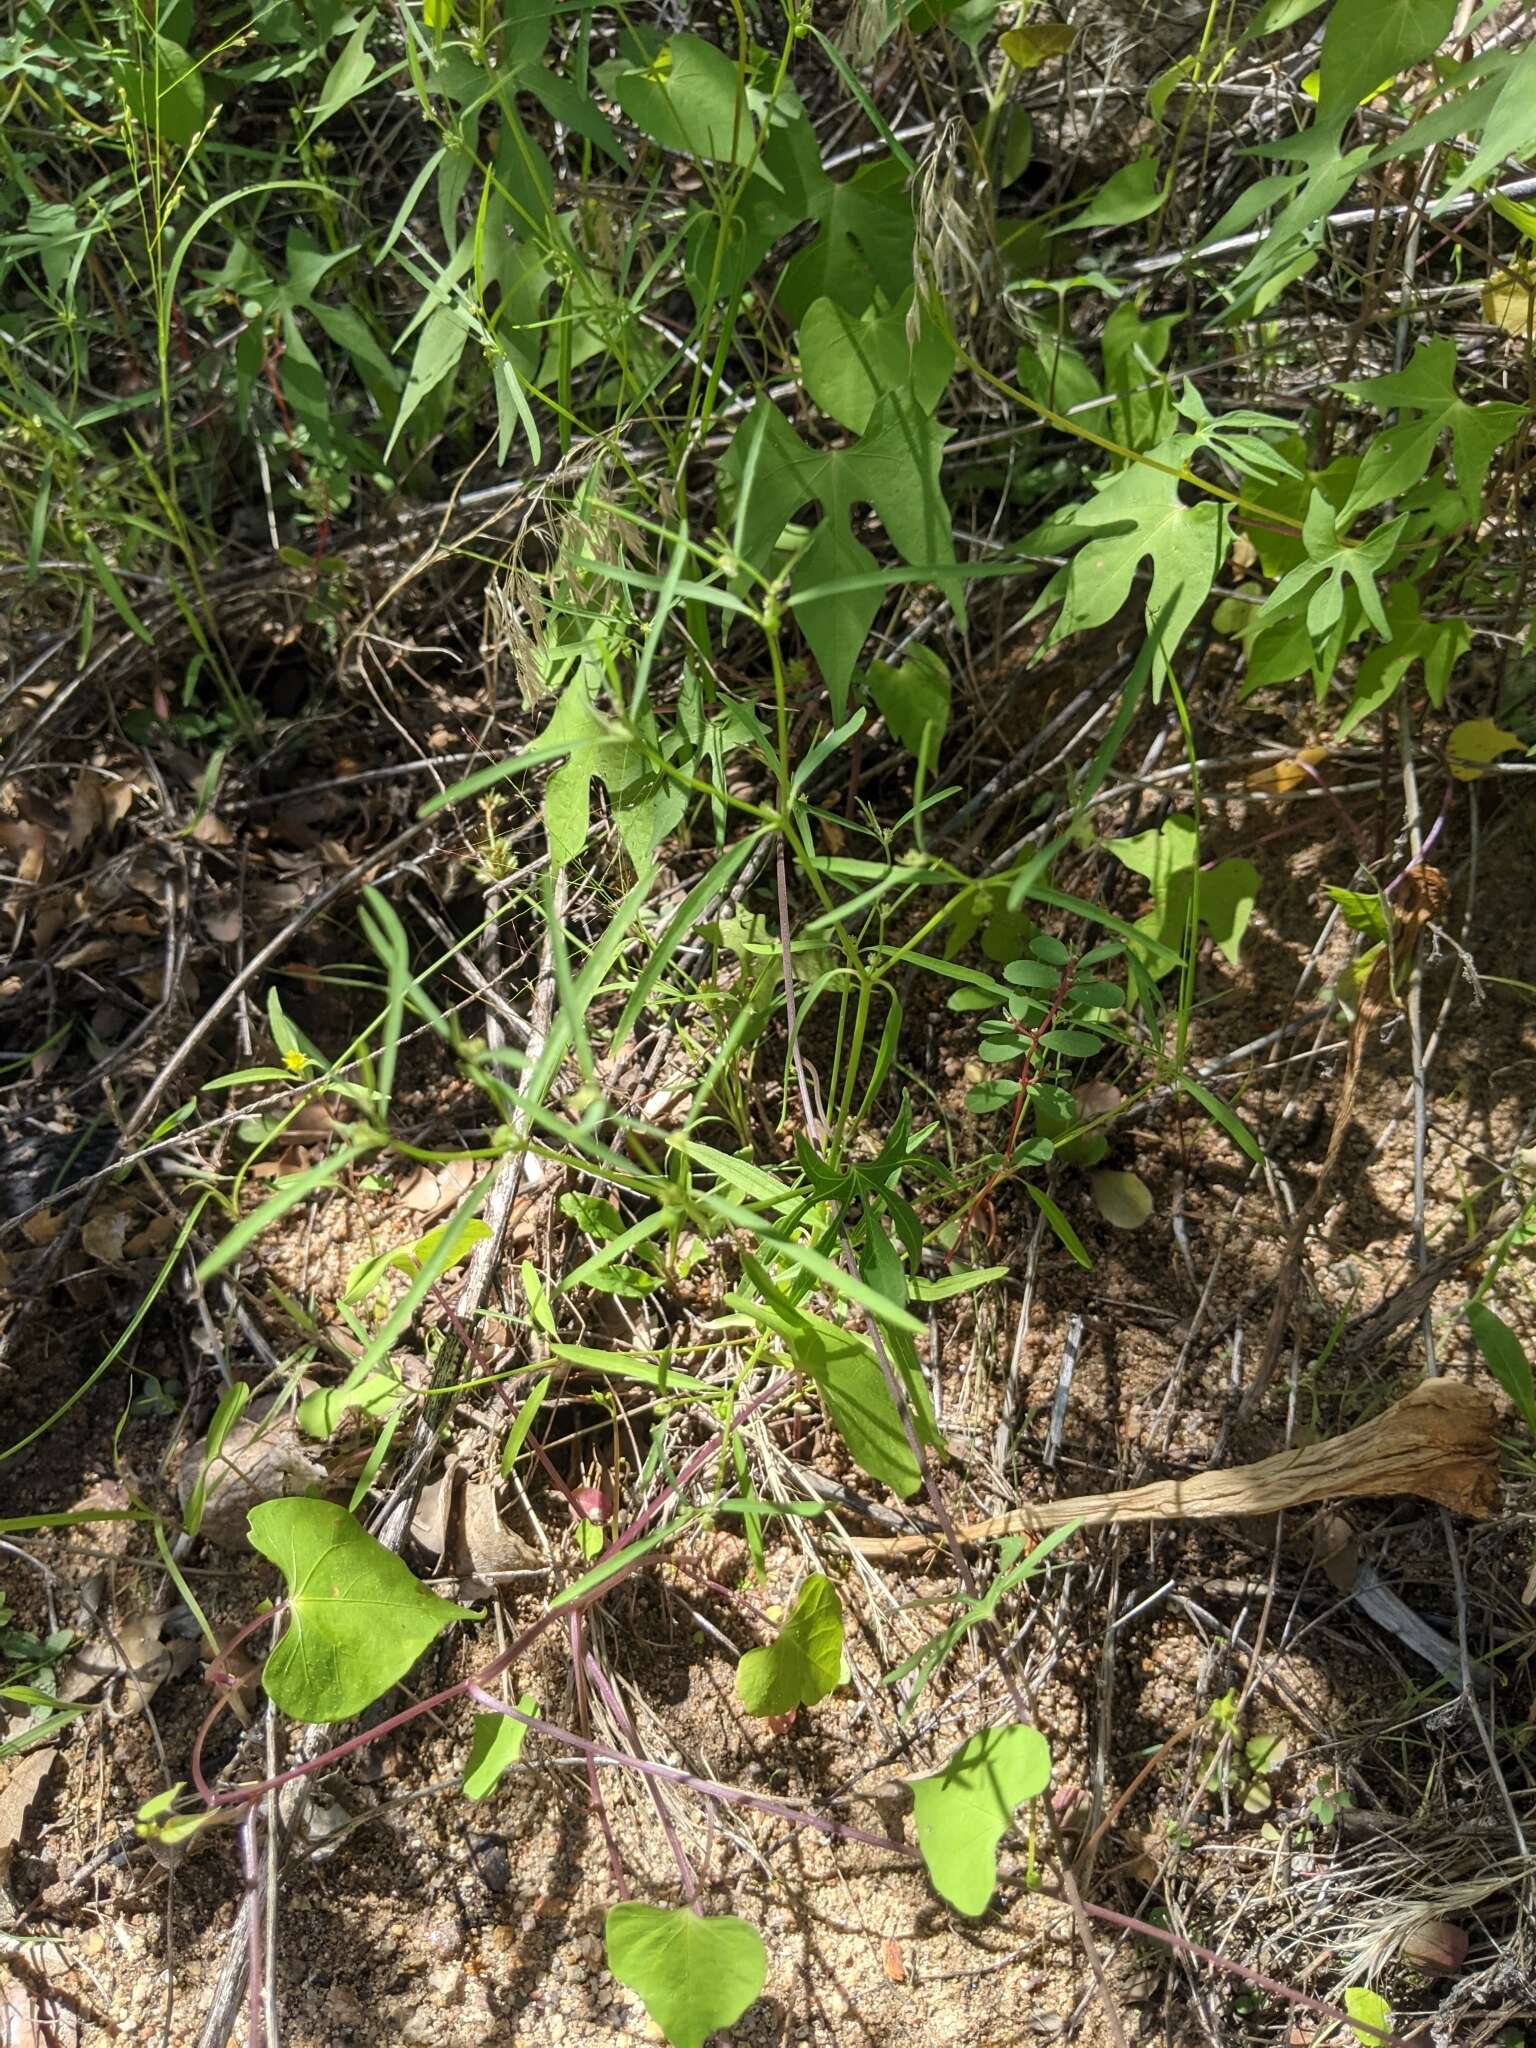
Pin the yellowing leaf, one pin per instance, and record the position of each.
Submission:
(1027, 47)
(1509, 301)
(1276, 777)
(1475, 743)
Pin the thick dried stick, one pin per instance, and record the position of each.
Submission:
(1437, 1443)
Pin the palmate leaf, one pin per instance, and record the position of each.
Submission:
(1137, 515)
(1437, 643)
(644, 803)
(1404, 454)
(894, 468)
(1316, 589)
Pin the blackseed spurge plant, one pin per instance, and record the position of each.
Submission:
(665, 664)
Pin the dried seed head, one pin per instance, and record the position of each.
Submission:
(865, 28)
(949, 250)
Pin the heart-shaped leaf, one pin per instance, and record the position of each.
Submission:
(805, 1661)
(357, 1619)
(963, 1811)
(693, 1975)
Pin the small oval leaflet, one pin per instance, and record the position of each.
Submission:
(693, 1975)
(963, 1811)
(804, 1662)
(357, 1618)
(1123, 1199)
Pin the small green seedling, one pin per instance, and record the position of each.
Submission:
(805, 1660)
(963, 1811)
(409, 1259)
(357, 1619)
(158, 1823)
(692, 1975)
(1237, 1768)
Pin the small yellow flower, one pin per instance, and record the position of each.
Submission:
(294, 1060)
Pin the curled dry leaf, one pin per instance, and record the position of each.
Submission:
(262, 1458)
(1439, 1442)
(105, 1232)
(1276, 778)
(130, 1663)
(432, 1189)
(25, 1777)
(459, 1529)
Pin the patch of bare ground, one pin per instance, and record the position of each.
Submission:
(1161, 1662)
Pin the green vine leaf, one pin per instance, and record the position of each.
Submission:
(685, 95)
(1123, 1199)
(1508, 129)
(894, 468)
(357, 1619)
(1402, 456)
(804, 1662)
(849, 362)
(1437, 643)
(864, 248)
(1371, 2011)
(693, 1975)
(644, 804)
(1366, 45)
(1168, 857)
(849, 1379)
(1504, 1356)
(1128, 194)
(1316, 586)
(1137, 515)
(495, 1746)
(914, 700)
(963, 1811)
